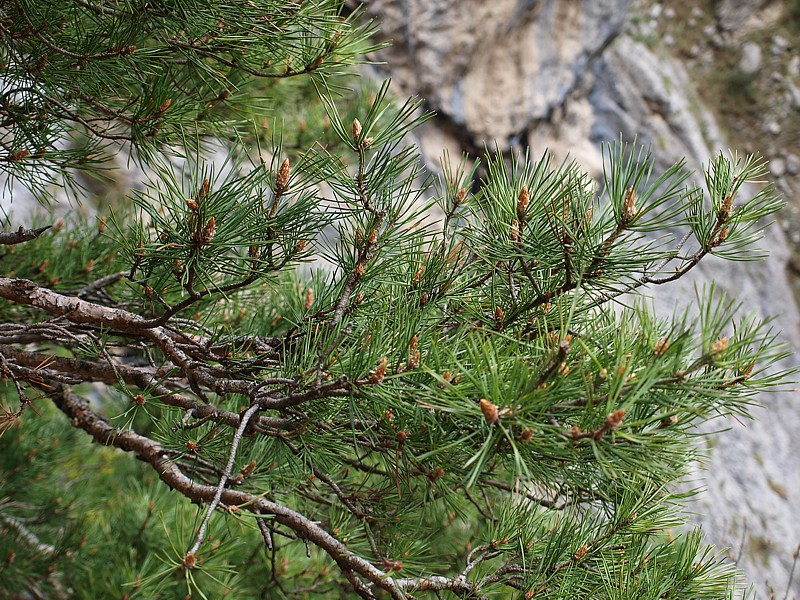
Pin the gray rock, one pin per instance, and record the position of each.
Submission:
(732, 14)
(750, 62)
(777, 167)
(655, 11)
(779, 45)
(772, 127)
(792, 164)
(793, 68)
(494, 68)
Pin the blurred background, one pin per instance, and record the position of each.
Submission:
(687, 77)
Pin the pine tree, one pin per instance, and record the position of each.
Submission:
(477, 407)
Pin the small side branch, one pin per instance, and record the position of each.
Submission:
(21, 235)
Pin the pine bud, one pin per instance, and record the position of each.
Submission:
(378, 374)
(462, 193)
(208, 232)
(203, 191)
(661, 347)
(356, 130)
(309, 298)
(719, 346)
(668, 421)
(522, 202)
(614, 419)
(282, 180)
(490, 411)
(726, 209)
(192, 204)
(629, 206)
(419, 272)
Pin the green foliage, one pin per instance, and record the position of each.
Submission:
(477, 405)
(80, 76)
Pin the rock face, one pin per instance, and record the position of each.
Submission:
(494, 69)
(563, 74)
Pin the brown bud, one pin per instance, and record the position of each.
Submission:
(726, 209)
(208, 232)
(356, 129)
(661, 347)
(614, 419)
(420, 271)
(301, 245)
(367, 142)
(378, 374)
(138, 399)
(629, 206)
(747, 370)
(490, 411)
(498, 316)
(513, 232)
(309, 298)
(581, 552)
(462, 193)
(522, 202)
(373, 237)
(192, 204)
(101, 225)
(436, 474)
(189, 561)
(249, 468)
(525, 435)
(163, 108)
(413, 362)
(668, 421)
(203, 191)
(719, 346)
(282, 180)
